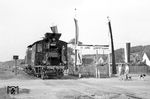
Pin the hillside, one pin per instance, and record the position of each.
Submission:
(10, 64)
(1, 63)
(135, 55)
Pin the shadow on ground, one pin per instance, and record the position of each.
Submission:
(102, 95)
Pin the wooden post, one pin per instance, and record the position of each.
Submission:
(109, 66)
(76, 40)
(96, 58)
(112, 48)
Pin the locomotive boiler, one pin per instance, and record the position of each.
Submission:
(47, 57)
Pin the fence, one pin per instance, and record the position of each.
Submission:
(90, 70)
(139, 69)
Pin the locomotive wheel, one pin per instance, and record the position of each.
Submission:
(59, 74)
(38, 75)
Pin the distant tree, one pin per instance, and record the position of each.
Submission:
(72, 41)
(70, 50)
(136, 53)
(119, 55)
(23, 62)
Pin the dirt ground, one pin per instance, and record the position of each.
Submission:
(84, 88)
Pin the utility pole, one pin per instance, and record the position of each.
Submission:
(109, 65)
(112, 48)
(76, 39)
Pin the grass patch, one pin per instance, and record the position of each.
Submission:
(5, 74)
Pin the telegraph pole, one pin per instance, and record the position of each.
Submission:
(112, 48)
(76, 39)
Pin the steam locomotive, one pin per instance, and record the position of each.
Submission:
(47, 57)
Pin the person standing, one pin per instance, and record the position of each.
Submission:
(119, 69)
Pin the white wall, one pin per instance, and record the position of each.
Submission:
(145, 58)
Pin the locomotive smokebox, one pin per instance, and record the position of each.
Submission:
(52, 35)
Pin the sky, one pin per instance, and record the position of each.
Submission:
(22, 22)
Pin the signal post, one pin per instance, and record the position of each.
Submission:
(15, 57)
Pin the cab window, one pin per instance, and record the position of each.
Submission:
(39, 47)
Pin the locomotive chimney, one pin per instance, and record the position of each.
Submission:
(54, 29)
